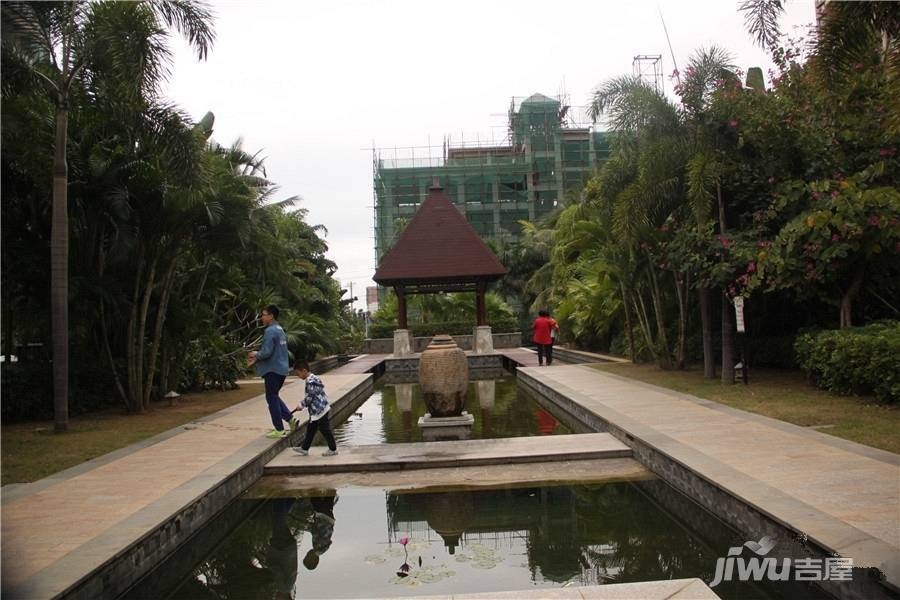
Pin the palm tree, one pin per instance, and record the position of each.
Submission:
(60, 43)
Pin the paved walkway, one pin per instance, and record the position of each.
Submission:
(57, 530)
(524, 357)
(361, 364)
(428, 455)
(844, 496)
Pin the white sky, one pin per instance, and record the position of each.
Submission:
(315, 84)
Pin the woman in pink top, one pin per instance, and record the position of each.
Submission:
(542, 327)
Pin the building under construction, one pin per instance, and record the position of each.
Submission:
(550, 150)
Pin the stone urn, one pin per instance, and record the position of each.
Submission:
(444, 377)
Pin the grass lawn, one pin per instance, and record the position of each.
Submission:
(32, 451)
(784, 395)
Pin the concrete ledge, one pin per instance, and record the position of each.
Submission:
(570, 355)
(425, 455)
(678, 589)
(410, 364)
(386, 345)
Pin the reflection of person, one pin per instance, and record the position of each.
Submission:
(271, 363)
(543, 326)
(281, 558)
(321, 529)
(316, 402)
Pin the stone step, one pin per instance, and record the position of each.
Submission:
(426, 455)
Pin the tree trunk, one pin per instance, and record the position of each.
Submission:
(727, 341)
(161, 310)
(847, 300)
(664, 356)
(142, 334)
(681, 286)
(641, 310)
(59, 271)
(709, 364)
(9, 318)
(629, 330)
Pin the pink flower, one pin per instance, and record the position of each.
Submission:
(886, 152)
(835, 238)
(835, 193)
(858, 66)
(404, 541)
(751, 267)
(733, 123)
(771, 180)
(873, 221)
(724, 241)
(816, 195)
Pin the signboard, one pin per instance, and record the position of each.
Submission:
(739, 313)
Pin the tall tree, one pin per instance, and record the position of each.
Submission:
(60, 42)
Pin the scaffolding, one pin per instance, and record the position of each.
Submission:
(549, 150)
(648, 68)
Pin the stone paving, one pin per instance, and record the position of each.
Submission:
(844, 496)
(425, 455)
(56, 530)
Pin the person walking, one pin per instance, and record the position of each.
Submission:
(316, 402)
(271, 363)
(542, 338)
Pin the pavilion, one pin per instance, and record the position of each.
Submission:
(439, 251)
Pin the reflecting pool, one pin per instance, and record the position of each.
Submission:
(500, 407)
(366, 542)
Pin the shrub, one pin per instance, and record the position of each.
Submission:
(450, 327)
(28, 389)
(212, 363)
(859, 360)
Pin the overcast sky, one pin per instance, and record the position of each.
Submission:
(315, 84)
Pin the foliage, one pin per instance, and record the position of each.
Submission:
(456, 308)
(858, 360)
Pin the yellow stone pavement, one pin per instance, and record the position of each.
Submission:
(41, 523)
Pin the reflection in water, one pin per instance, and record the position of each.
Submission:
(468, 541)
(392, 413)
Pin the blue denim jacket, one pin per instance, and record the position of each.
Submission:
(273, 356)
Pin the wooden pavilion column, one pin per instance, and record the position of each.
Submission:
(480, 312)
(401, 306)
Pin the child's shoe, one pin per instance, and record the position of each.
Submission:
(276, 434)
(329, 453)
(299, 450)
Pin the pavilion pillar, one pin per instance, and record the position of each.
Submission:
(480, 312)
(401, 307)
(403, 343)
(482, 339)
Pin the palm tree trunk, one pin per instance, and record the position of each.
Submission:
(629, 330)
(141, 336)
(157, 333)
(709, 364)
(664, 356)
(641, 310)
(727, 341)
(680, 345)
(59, 271)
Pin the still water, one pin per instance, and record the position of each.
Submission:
(500, 407)
(347, 543)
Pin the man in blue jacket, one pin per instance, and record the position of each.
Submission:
(271, 363)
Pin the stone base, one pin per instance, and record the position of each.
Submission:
(484, 341)
(402, 345)
(446, 428)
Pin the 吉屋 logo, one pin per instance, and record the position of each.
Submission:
(770, 568)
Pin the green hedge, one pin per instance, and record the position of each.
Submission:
(858, 360)
(380, 330)
(28, 389)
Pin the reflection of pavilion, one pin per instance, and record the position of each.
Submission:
(590, 534)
